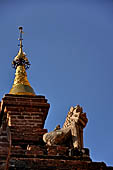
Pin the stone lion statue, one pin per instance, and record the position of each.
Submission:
(72, 130)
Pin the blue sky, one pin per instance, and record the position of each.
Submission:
(70, 46)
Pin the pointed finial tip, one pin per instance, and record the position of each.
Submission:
(20, 38)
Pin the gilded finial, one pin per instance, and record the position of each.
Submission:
(21, 58)
(21, 85)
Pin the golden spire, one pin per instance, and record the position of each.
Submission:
(21, 85)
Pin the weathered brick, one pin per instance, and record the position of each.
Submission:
(21, 143)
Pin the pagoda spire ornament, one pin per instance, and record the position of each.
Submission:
(21, 85)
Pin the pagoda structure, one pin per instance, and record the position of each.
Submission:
(25, 144)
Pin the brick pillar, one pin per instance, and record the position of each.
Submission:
(24, 117)
(4, 141)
